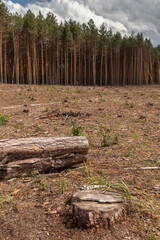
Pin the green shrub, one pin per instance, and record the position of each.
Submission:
(38, 128)
(77, 130)
(4, 119)
(130, 104)
(61, 185)
(107, 139)
(18, 125)
(46, 109)
(115, 138)
(104, 138)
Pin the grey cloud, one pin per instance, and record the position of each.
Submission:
(122, 15)
(138, 16)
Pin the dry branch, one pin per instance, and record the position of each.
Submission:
(143, 168)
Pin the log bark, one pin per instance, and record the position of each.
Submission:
(27, 155)
(93, 208)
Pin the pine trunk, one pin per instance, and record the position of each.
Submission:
(62, 68)
(101, 71)
(51, 72)
(67, 65)
(89, 70)
(5, 61)
(1, 58)
(124, 69)
(71, 73)
(46, 65)
(58, 70)
(29, 63)
(94, 63)
(111, 65)
(85, 70)
(75, 71)
(21, 69)
(80, 82)
(42, 63)
(106, 70)
(34, 61)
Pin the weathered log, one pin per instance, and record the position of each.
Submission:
(42, 155)
(93, 208)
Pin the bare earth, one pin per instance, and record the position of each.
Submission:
(31, 208)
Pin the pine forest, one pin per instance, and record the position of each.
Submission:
(38, 50)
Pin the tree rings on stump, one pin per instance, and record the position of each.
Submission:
(95, 208)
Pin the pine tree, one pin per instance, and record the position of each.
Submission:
(38, 50)
(30, 31)
(68, 40)
(110, 43)
(17, 26)
(103, 53)
(85, 39)
(52, 41)
(94, 39)
(41, 30)
(76, 33)
(116, 66)
(3, 17)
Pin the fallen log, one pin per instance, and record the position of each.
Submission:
(27, 155)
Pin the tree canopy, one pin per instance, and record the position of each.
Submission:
(38, 50)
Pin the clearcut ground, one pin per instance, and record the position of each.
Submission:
(123, 128)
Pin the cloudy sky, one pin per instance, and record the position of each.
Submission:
(124, 16)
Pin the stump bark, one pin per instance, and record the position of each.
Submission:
(93, 208)
(26, 155)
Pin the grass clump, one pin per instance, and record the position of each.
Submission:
(98, 180)
(4, 119)
(130, 104)
(134, 135)
(115, 138)
(1, 204)
(122, 186)
(53, 89)
(101, 93)
(38, 128)
(77, 130)
(42, 182)
(47, 109)
(107, 139)
(86, 170)
(61, 185)
(151, 162)
(144, 205)
(153, 236)
(18, 125)
(6, 199)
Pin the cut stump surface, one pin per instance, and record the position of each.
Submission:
(93, 208)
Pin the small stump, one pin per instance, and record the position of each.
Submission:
(93, 208)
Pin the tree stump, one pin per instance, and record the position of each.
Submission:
(26, 155)
(93, 208)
